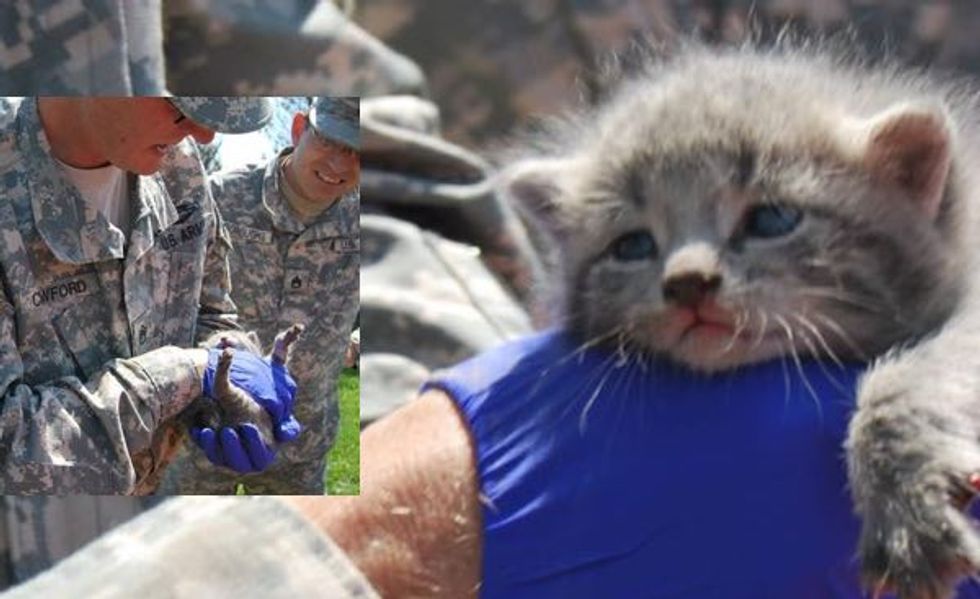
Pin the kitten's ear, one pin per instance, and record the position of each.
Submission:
(536, 186)
(909, 147)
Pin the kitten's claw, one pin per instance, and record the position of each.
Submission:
(284, 341)
(916, 539)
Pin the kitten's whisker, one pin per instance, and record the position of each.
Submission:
(600, 371)
(590, 343)
(820, 339)
(836, 328)
(764, 317)
(620, 349)
(741, 322)
(813, 350)
(799, 364)
(584, 416)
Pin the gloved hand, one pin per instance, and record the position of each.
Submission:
(241, 448)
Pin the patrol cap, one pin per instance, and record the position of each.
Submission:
(336, 119)
(225, 114)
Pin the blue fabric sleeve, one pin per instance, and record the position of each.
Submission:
(611, 476)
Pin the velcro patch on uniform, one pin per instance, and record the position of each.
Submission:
(345, 245)
(62, 290)
(243, 233)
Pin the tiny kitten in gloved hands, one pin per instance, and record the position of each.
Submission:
(232, 406)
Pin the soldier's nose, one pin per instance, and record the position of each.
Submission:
(690, 288)
(202, 135)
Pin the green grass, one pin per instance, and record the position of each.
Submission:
(343, 475)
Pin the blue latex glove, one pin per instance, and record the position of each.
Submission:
(272, 387)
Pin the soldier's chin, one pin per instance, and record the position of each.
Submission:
(147, 163)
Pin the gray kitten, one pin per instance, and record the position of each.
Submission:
(232, 406)
(727, 207)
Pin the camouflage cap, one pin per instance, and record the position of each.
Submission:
(226, 114)
(336, 119)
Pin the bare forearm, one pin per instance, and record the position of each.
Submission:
(415, 528)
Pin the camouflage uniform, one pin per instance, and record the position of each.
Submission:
(59, 47)
(305, 48)
(210, 547)
(117, 47)
(91, 327)
(491, 65)
(37, 531)
(286, 272)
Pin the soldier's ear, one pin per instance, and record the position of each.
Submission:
(538, 189)
(299, 126)
(908, 148)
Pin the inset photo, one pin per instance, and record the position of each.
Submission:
(180, 292)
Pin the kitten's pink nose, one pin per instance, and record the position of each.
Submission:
(690, 288)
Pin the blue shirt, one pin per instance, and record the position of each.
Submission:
(606, 476)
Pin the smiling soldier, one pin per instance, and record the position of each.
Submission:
(294, 228)
(113, 262)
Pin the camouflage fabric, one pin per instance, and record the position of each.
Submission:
(225, 114)
(38, 531)
(90, 325)
(276, 47)
(444, 260)
(206, 547)
(285, 272)
(492, 65)
(62, 47)
(212, 48)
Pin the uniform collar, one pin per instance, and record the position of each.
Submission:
(75, 232)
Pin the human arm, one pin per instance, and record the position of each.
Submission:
(68, 435)
(206, 547)
(415, 529)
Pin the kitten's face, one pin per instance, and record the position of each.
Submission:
(737, 206)
(718, 259)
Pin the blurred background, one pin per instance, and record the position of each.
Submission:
(491, 64)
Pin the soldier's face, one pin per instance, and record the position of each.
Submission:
(324, 170)
(136, 134)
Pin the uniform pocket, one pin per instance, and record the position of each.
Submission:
(256, 279)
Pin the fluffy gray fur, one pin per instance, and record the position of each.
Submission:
(883, 166)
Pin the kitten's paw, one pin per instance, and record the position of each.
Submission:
(918, 545)
(916, 539)
(224, 360)
(283, 342)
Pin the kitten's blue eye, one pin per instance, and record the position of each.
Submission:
(772, 220)
(638, 245)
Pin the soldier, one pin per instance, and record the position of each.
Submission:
(294, 228)
(114, 262)
(112, 47)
